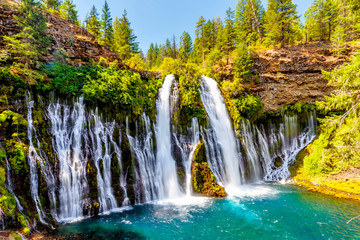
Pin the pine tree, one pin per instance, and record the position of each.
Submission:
(227, 39)
(149, 56)
(242, 63)
(282, 22)
(68, 12)
(106, 26)
(124, 39)
(249, 21)
(199, 45)
(27, 48)
(53, 5)
(349, 17)
(185, 47)
(173, 48)
(320, 19)
(168, 49)
(93, 23)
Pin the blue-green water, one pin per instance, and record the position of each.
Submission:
(267, 212)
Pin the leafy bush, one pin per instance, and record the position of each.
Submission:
(67, 79)
(249, 105)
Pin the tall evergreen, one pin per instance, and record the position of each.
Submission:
(124, 39)
(68, 12)
(226, 40)
(93, 23)
(174, 48)
(320, 20)
(168, 48)
(282, 22)
(27, 48)
(106, 26)
(199, 45)
(185, 47)
(249, 21)
(54, 5)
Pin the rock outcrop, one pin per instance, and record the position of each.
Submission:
(77, 43)
(293, 75)
(203, 179)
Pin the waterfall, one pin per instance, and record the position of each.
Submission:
(34, 158)
(101, 136)
(292, 139)
(187, 145)
(248, 132)
(223, 154)
(283, 141)
(67, 128)
(142, 146)
(166, 173)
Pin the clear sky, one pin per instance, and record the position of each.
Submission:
(156, 20)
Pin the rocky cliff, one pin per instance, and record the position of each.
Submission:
(78, 44)
(293, 75)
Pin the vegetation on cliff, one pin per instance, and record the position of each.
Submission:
(203, 179)
(336, 150)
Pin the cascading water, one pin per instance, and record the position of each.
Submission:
(142, 147)
(253, 159)
(187, 149)
(292, 140)
(67, 129)
(165, 164)
(34, 158)
(101, 137)
(283, 142)
(224, 156)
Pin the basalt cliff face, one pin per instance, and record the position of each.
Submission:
(77, 43)
(294, 75)
(290, 75)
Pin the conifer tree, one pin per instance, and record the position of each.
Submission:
(185, 47)
(226, 41)
(124, 39)
(106, 26)
(69, 13)
(282, 22)
(149, 56)
(93, 23)
(168, 49)
(249, 21)
(54, 5)
(320, 19)
(173, 48)
(199, 45)
(27, 48)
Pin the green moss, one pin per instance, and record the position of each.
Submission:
(91, 175)
(181, 174)
(203, 180)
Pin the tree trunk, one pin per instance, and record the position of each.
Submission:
(256, 20)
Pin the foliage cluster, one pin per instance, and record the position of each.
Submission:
(105, 83)
(337, 147)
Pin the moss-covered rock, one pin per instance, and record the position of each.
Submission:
(203, 179)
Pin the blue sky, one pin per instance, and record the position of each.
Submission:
(156, 20)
